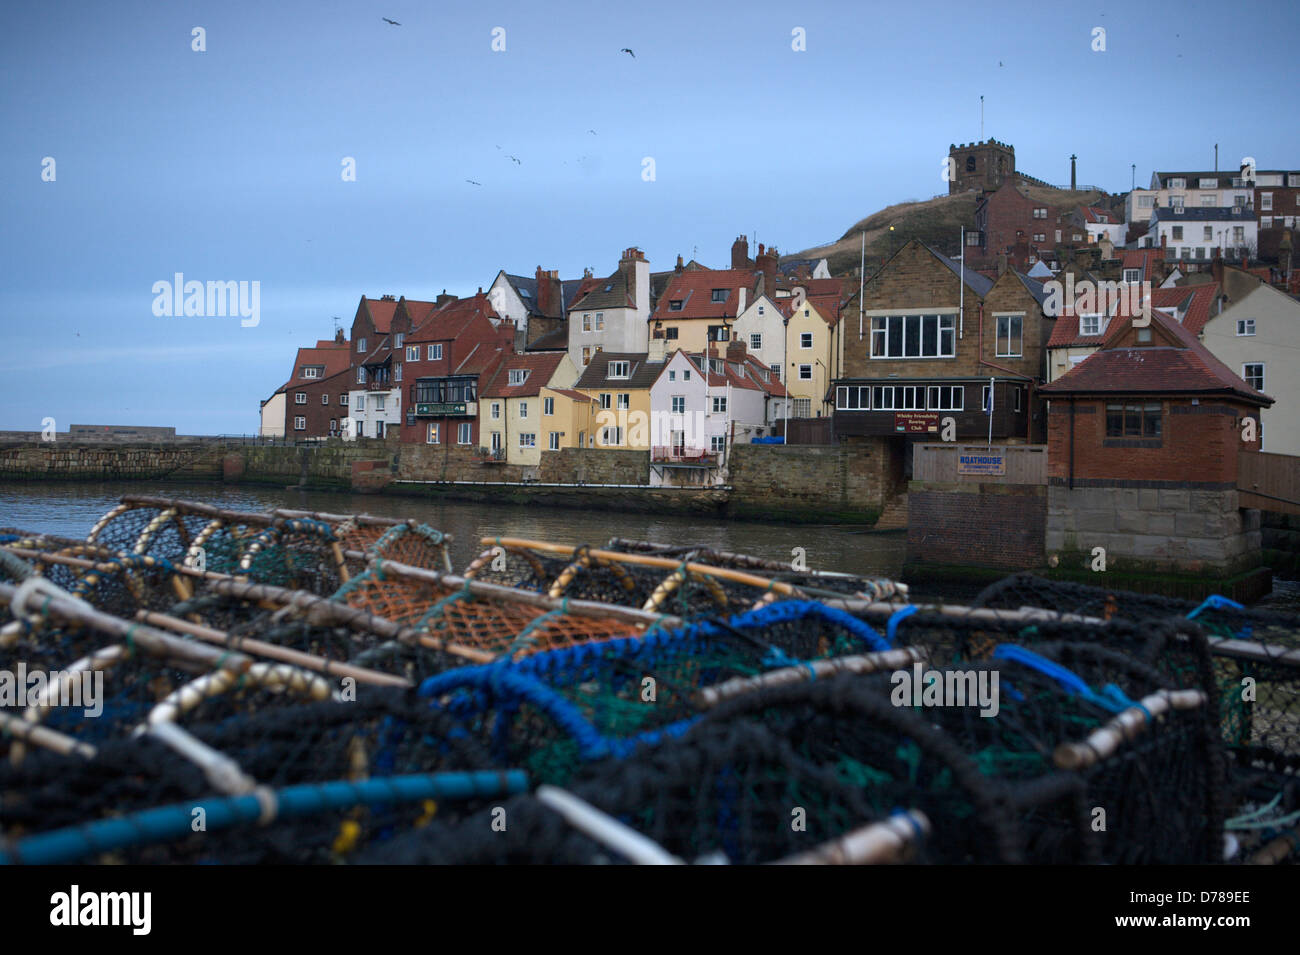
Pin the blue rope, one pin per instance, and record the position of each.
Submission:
(1111, 698)
(1215, 602)
(171, 822)
(895, 618)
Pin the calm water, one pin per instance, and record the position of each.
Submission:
(71, 508)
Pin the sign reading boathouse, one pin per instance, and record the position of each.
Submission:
(982, 462)
(916, 422)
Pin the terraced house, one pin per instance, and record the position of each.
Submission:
(446, 360)
(514, 415)
(314, 401)
(375, 398)
(611, 313)
(618, 385)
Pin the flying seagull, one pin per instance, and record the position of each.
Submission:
(473, 183)
(393, 22)
(515, 161)
(592, 131)
(628, 52)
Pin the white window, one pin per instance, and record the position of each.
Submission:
(914, 336)
(300, 424)
(985, 394)
(343, 399)
(1132, 276)
(1058, 236)
(686, 375)
(1238, 234)
(802, 407)
(756, 341)
(600, 321)
(397, 372)
(805, 372)
(310, 371)
(361, 403)
(300, 398)
(1176, 184)
(1266, 202)
(1090, 324)
(518, 376)
(679, 404)
(1253, 373)
(434, 353)
(672, 375)
(361, 376)
(379, 402)
(611, 437)
(617, 369)
(1010, 336)
(1146, 202)
(586, 322)
(464, 433)
(412, 352)
(898, 397)
(432, 437)
(523, 409)
(527, 439)
(605, 400)
(718, 443)
(852, 398)
(324, 399)
(553, 441)
(776, 371)
(625, 400)
(548, 406)
(496, 410)
(1245, 326)
(719, 404)
(945, 397)
(496, 440)
(361, 344)
(398, 338)
(805, 339)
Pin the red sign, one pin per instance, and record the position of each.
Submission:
(916, 422)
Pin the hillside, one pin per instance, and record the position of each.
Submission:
(937, 222)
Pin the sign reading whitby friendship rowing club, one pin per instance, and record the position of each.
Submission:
(991, 461)
(916, 422)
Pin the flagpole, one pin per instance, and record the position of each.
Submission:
(991, 381)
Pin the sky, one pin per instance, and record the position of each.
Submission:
(228, 163)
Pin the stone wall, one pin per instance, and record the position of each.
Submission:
(1153, 529)
(844, 483)
(78, 462)
(595, 466)
(325, 466)
(983, 525)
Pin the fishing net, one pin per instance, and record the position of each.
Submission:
(553, 710)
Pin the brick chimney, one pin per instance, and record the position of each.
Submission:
(765, 262)
(543, 280)
(443, 299)
(680, 266)
(1216, 266)
(740, 253)
(636, 270)
(736, 350)
(338, 336)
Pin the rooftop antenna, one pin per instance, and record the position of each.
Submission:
(1216, 157)
(1132, 184)
(981, 119)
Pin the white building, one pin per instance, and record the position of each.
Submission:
(1192, 234)
(613, 314)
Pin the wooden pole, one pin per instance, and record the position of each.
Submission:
(1105, 740)
(882, 842)
(860, 663)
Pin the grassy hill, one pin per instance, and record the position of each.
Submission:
(936, 222)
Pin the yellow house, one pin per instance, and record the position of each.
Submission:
(512, 413)
(566, 418)
(813, 353)
(699, 307)
(618, 385)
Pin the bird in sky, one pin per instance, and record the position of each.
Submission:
(628, 52)
(473, 183)
(393, 22)
(999, 62)
(515, 161)
(592, 131)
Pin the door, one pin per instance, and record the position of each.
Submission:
(379, 429)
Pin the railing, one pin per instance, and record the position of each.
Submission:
(492, 455)
(383, 385)
(667, 454)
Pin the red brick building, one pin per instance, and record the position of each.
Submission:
(316, 396)
(1011, 216)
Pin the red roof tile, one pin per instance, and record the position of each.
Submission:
(446, 323)
(695, 291)
(1194, 303)
(381, 313)
(540, 367)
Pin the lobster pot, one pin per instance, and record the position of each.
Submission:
(382, 735)
(164, 533)
(551, 711)
(297, 553)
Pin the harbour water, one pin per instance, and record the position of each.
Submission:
(70, 509)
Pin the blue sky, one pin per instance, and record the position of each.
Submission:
(225, 165)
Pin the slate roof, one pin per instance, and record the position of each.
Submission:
(641, 372)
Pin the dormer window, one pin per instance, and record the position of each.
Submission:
(617, 369)
(1090, 324)
(1132, 276)
(675, 305)
(518, 376)
(311, 371)
(719, 295)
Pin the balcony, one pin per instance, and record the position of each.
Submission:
(382, 385)
(491, 456)
(687, 457)
(446, 409)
